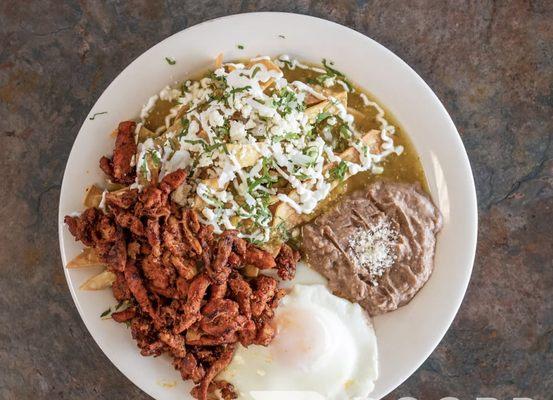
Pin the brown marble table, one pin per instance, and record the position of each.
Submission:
(490, 62)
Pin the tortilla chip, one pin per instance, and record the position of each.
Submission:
(246, 154)
(98, 282)
(87, 258)
(286, 215)
(144, 133)
(326, 106)
(93, 196)
(219, 60)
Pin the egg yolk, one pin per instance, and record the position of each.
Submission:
(302, 339)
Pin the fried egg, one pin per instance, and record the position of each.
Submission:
(325, 348)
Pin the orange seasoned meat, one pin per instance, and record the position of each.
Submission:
(221, 317)
(119, 169)
(172, 180)
(201, 392)
(122, 199)
(153, 236)
(113, 253)
(129, 221)
(125, 315)
(189, 368)
(82, 226)
(159, 275)
(263, 294)
(265, 334)
(243, 294)
(218, 291)
(196, 292)
(226, 389)
(183, 284)
(259, 258)
(286, 261)
(139, 292)
(218, 270)
(120, 289)
(174, 342)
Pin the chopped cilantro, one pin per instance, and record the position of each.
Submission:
(322, 116)
(332, 73)
(144, 170)
(214, 146)
(223, 130)
(331, 70)
(287, 236)
(287, 63)
(286, 100)
(96, 114)
(283, 231)
(339, 172)
(241, 47)
(288, 136)
(170, 61)
(282, 36)
(199, 141)
(185, 125)
(239, 90)
(301, 176)
(266, 178)
(345, 131)
(155, 157)
(311, 151)
(124, 304)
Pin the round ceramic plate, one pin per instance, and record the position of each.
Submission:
(407, 336)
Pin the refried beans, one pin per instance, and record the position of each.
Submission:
(376, 247)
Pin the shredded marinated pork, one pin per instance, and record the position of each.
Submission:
(120, 168)
(185, 286)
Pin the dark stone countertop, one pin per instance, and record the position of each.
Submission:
(491, 63)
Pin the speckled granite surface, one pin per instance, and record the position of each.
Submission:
(491, 63)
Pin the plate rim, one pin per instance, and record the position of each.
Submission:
(467, 170)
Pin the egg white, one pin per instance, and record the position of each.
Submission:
(325, 348)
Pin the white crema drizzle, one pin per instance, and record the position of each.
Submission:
(229, 113)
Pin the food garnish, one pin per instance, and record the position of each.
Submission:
(96, 114)
(253, 141)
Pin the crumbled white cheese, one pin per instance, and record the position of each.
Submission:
(276, 130)
(237, 131)
(169, 94)
(216, 119)
(372, 248)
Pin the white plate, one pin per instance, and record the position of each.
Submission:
(406, 337)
